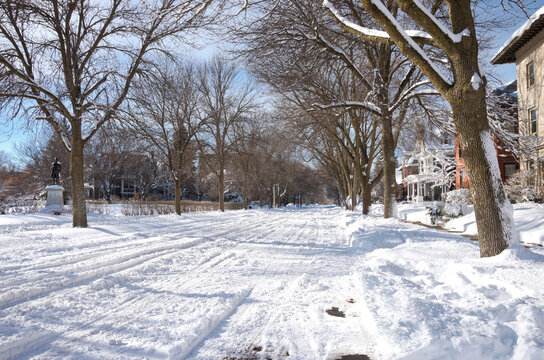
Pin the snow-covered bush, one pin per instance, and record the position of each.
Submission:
(519, 187)
(98, 207)
(456, 203)
(435, 211)
(143, 208)
(19, 205)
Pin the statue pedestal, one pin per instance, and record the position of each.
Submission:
(55, 201)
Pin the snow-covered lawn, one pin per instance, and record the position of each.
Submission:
(528, 217)
(257, 284)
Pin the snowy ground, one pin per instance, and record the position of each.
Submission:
(257, 284)
(529, 219)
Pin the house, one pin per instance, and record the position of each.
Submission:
(525, 48)
(427, 171)
(12, 182)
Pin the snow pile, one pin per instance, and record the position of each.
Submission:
(293, 283)
(430, 296)
(440, 300)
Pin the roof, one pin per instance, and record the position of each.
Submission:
(509, 90)
(507, 53)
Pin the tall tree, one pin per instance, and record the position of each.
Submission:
(464, 87)
(226, 101)
(301, 35)
(247, 137)
(72, 62)
(163, 112)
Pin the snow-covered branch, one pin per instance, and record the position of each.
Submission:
(372, 34)
(439, 31)
(350, 104)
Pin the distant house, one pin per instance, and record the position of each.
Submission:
(426, 171)
(12, 182)
(526, 49)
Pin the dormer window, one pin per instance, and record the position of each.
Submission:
(530, 74)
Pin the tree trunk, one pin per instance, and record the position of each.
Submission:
(177, 194)
(467, 99)
(222, 189)
(79, 210)
(367, 198)
(244, 192)
(493, 223)
(389, 182)
(354, 192)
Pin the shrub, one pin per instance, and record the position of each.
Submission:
(22, 205)
(456, 202)
(137, 208)
(519, 187)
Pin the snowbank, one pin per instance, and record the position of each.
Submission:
(262, 283)
(429, 295)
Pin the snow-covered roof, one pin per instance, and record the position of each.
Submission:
(507, 53)
(509, 89)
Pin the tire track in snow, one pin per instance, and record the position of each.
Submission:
(41, 337)
(123, 247)
(100, 248)
(220, 258)
(106, 268)
(218, 262)
(94, 271)
(248, 311)
(27, 344)
(207, 326)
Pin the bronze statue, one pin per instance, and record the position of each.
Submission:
(55, 173)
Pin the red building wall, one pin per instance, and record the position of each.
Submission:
(503, 156)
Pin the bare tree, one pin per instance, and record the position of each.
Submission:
(302, 38)
(163, 113)
(38, 157)
(72, 63)
(107, 154)
(226, 101)
(247, 137)
(462, 84)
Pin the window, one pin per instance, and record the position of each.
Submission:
(532, 121)
(530, 74)
(509, 169)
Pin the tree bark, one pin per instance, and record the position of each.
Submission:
(244, 192)
(388, 150)
(79, 209)
(177, 194)
(468, 102)
(367, 199)
(222, 189)
(354, 192)
(470, 116)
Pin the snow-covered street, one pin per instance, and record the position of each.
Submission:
(257, 284)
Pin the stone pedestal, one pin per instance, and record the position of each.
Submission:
(55, 201)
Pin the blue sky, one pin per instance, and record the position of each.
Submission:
(11, 134)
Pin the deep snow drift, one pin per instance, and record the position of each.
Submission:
(258, 284)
